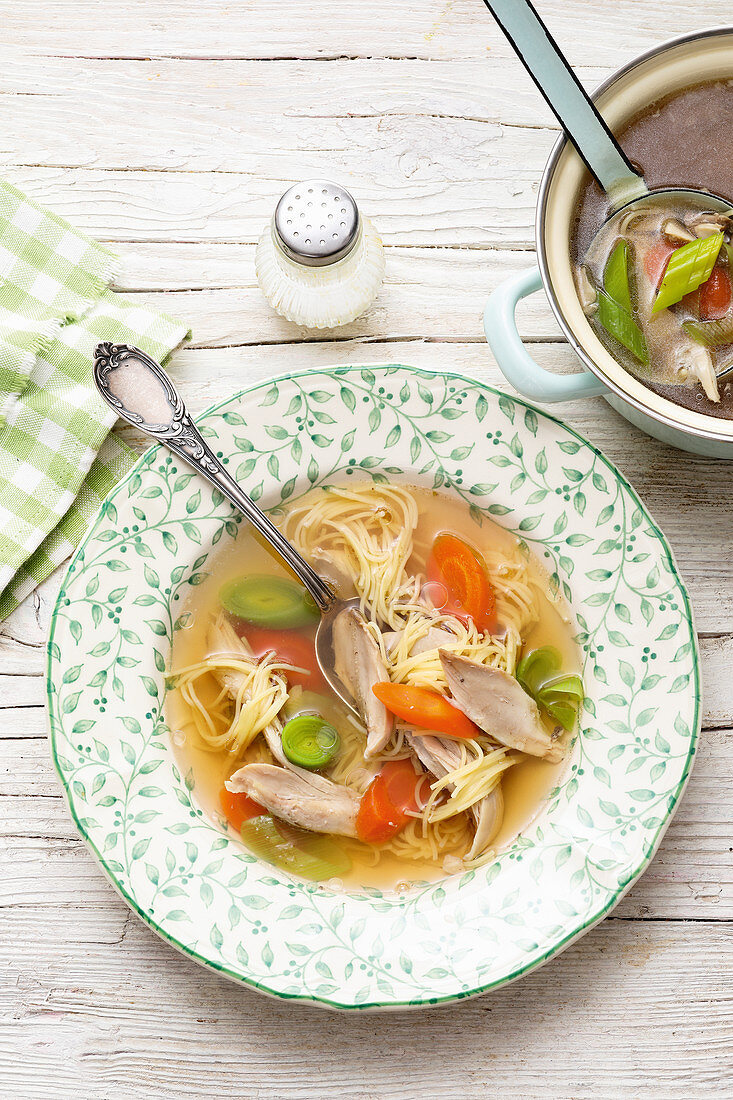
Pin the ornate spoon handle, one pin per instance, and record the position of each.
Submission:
(140, 391)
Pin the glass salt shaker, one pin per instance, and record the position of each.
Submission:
(320, 262)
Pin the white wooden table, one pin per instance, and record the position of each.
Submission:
(168, 128)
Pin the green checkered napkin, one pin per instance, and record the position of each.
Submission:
(57, 459)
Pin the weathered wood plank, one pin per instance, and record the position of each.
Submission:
(20, 692)
(435, 294)
(692, 875)
(96, 1020)
(610, 31)
(411, 199)
(164, 115)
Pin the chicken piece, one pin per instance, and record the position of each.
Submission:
(223, 639)
(488, 815)
(699, 363)
(499, 706)
(358, 662)
(441, 755)
(301, 798)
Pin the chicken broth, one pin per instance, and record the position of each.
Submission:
(421, 851)
(656, 281)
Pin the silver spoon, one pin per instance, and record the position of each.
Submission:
(140, 392)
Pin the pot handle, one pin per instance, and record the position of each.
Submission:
(515, 362)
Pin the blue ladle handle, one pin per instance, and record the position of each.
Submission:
(571, 105)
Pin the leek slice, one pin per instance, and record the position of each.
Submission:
(310, 855)
(616, 277)
(267, 600)
(563, 713)
(537, 668)
(711, 334)
(559, 695)
(688, 267)
(310, 742)
(622, 326)
(571, 686)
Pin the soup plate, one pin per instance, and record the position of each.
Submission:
(129, 589)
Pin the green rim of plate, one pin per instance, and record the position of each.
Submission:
(575, 444)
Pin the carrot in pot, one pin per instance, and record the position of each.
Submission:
(425, 709)
(288, 647)
(656, 260)
(715, 296)
(403, 785)
(378, 820)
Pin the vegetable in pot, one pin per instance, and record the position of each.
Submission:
(290, 648)
(462, 571)
(655, 262)
(715, 296)
(711, 334)
(238, 807)
(622, 326)
(688, 267)
(615, 309)
(616, 277)
(388, 802)
(557, 693)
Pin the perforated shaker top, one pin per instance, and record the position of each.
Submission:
(316, 223)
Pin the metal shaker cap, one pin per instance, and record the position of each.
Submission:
(316, 223)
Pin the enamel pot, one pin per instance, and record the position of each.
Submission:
(670, 67)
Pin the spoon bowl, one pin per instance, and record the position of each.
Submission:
(140, 392)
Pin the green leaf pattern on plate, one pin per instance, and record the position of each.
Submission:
(125, 596)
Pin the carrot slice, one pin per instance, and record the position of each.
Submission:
(715, 296)
(656, 260)
(463, 572)
(426, 709)
(239, 808)
(388, 801)
(289, 647)
(378, 819)
(403, 783)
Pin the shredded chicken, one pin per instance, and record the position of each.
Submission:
(359, 663)
(301, 798)
(499, 706)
